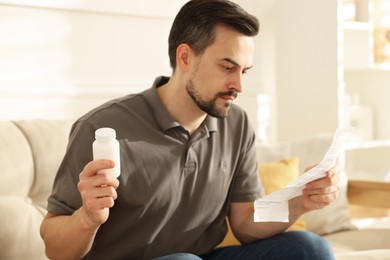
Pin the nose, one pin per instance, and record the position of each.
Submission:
(236, 84)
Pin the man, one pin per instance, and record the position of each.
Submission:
(187, 160)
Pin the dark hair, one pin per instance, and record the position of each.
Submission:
(196, 21)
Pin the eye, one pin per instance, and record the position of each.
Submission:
(229, 68)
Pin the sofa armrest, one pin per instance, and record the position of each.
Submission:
(369, 193)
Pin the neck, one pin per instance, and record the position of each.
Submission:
(180, 105)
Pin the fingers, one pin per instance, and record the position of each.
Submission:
(92, 167)
(98, 180)
(322, 192)
(95, 196)
(331, 179)
(95, 204)
(323, 197)
(98, 191)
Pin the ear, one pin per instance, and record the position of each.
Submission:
(183, 54)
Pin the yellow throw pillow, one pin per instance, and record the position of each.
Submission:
(277, 175)
(274, 176)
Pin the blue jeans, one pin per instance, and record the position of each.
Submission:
(292, 245)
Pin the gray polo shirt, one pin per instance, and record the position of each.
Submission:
(175, 189)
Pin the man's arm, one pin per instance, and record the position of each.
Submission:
(71, 237)
(67, 237)
(316, 195)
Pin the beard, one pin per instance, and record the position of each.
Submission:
(210, 106)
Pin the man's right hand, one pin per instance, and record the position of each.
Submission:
(72, 236)
(98, 191)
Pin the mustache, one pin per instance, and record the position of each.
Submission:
(228, 94)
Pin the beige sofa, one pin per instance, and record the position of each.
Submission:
(32, 150)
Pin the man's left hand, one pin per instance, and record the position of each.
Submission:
(321, 192)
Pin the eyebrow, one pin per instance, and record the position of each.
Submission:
(235, 63)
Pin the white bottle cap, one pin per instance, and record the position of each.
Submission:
(105, 134)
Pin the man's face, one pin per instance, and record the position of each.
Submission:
(216, 77)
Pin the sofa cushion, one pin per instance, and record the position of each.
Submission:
(367, 244)
(266, 153)
(372, 223)
(358, 240)
(32, 153)
(19, 234)
(374, 254)
(48, 140)
(17, 167)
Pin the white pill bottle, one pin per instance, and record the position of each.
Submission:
(106, 146)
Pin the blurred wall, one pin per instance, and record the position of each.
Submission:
(59, 59)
